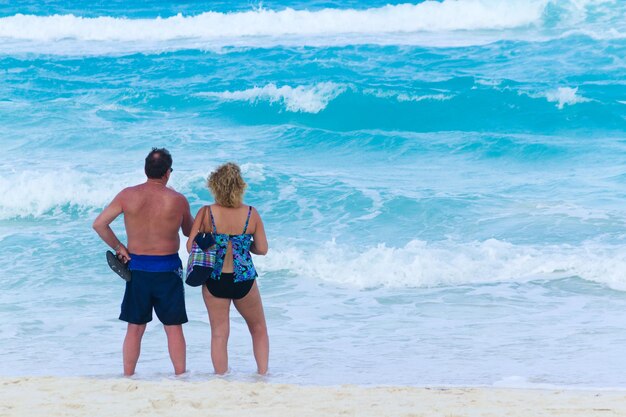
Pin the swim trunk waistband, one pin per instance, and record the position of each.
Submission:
(155, 263)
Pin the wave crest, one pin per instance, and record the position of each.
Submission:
(428, 16)
(565, 96)
(34, 193)
(428, 23)
(306, 99)
(422, 264)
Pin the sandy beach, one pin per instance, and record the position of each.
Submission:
(56, 396)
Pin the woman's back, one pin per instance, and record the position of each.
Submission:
(233, 226)
(232, 220)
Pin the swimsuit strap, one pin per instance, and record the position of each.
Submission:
(247, 219)
(212, 221)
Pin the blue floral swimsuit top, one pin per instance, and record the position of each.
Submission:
(243, 267)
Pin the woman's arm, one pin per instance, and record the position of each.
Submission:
(259, 240)
(195, 228)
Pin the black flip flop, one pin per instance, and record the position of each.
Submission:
(119, 267)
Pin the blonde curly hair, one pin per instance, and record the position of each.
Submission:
(227, 185)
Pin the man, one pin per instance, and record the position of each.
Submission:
(153, 214)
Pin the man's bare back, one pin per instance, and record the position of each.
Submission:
(153, 214)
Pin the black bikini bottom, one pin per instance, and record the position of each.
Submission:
(226, 287)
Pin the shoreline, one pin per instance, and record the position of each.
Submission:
(82, 396)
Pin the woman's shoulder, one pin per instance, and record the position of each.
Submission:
(251, 209)
(255, 217)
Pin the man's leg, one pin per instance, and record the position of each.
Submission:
(168, 299)
(177, 347)
(132, 347)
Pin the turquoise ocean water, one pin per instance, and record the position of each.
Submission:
(443, 183)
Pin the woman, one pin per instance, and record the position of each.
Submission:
(238, 231)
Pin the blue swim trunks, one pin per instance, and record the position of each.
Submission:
(156, 283)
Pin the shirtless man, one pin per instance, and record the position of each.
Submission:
(153, 214)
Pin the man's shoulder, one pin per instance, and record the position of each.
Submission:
(176, 196)
(127, 191)
(133, 189)
(141, 190)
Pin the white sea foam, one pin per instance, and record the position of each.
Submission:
(433, 23)
(435, 97)
(430, 23)
(306, 99)
(404, 97)
(422, 264)
(253, 172)
(520, 382)
(429, 16)
(572, 210)
(32, 193)
(565, 96)
(41, 193)
(287, 192)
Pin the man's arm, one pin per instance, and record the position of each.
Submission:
(187, 219)
(102, 226)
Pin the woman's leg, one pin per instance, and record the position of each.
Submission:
(251, 308)
(218, 309)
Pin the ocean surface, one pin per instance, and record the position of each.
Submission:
(443, 184)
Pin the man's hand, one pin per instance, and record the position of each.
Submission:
(122, 253)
